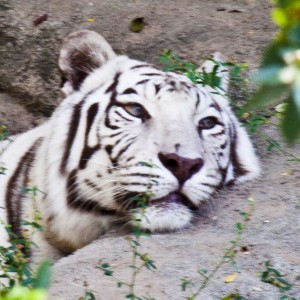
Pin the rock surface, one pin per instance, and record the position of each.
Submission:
(29, 91)
(193, 29)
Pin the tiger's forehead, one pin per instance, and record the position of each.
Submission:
(148, 83)
(138, 81)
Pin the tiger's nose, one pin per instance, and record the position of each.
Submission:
(182, 168)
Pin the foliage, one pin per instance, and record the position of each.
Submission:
(17, 279)
(174, 63)
(279, 75)
(228, 256)
(24, 293)
(272, 276)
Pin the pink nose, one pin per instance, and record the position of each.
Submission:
(182, 168)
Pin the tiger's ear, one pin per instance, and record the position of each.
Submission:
(81, 53)
(222, 72)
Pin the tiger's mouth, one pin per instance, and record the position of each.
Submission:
(173, 198)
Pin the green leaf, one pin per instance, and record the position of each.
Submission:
(244, 214)
(286, 297)
(43, 276)
(203, 271)
(273, 144)
(265, 95)
(239, 226)
(105, 265)
(108, 272)
(130, 296)
(294, 35)
(272, 54)
(89, 295)
(291, 120)
(279, 16)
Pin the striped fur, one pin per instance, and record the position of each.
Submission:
(86, 159)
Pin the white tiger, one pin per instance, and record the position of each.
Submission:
(87, 158)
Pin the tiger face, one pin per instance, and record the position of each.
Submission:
(125, 130)
(151, 132)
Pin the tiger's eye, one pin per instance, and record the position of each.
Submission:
(136, 110)
(208, 123)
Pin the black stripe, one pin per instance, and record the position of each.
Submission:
(121, 139)
(223, 171)
(142, 81)
(87, 151)
(151, 74)
(133, 183)
(216, 106)
(144, 66)
(223, 146)
(208, 185)
(114, 134)
(218, 133)
(107, 121)
(198, 100)
(111, 89)
(238, 168)
(119, 114)
(113, 86)
(109, 150)
(157, 88)
(18, 182)
(80, 204)
(141, 175)
(91, 184)
(129, 91)
(124, 149)
(71, 134)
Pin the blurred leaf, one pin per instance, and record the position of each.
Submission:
(89, 295)
(279, 17)
(272, 55)
(265, 95)
(137, 24)
(105, 265)
(294, 35)
(268, 75)
(291, 121)
(43, 275)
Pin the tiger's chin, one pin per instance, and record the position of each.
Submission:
(170, 213)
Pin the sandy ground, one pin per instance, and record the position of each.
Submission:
(29, 90)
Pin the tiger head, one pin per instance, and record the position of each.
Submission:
(136, 130)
